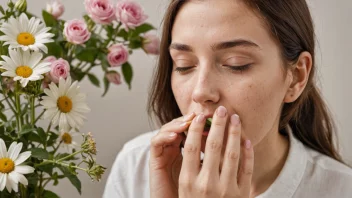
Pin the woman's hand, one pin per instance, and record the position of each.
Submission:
(165, 158)
(207, 181)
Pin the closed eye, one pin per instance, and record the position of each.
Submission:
(183, 69)
(238, 68)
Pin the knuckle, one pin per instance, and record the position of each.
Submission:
(218, 123)
(232, 155)
(191, 149)
(247, 171)
(185, 182)
(204, 188)
(235, 133)
(214, 145)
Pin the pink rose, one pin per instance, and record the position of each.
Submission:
(151, 44)
(113, 77)
(130, 14)
(50, 59)
(56, 8)
(101, 11)
(76, 31)
(118, 55)
(59, 69)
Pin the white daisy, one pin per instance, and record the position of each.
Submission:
(11, 170)
(65, 104)
(66, 139)
(24, 66)
(26, 34)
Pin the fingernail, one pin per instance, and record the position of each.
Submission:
(248, 144)
(172, 134)
(235, 119)
(187, 117)
(221, 111)
(200, 118)
(185, 123)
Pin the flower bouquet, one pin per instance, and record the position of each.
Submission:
(41, 65)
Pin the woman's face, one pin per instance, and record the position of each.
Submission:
(224, 55)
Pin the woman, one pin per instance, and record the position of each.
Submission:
(249, 65)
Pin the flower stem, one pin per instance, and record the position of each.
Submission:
(32, 105)
(40, 115)
(18, 110)
(73, 154)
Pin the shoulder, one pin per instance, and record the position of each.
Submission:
(325, 176)
(326, 163)
(129, 174)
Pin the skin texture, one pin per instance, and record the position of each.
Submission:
(256, 94)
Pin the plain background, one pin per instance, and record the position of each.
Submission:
(121, 114)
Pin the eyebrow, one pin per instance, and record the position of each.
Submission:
(219, 46)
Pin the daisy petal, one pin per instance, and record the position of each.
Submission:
(16, 151)
(22, 157)
(24, 169)
(2, 181)
(3, 151)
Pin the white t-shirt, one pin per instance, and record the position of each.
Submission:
(306, 173)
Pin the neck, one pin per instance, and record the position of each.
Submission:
(270, 156)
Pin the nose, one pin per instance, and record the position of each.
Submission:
(206, 89)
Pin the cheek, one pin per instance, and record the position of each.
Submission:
(182, 91)
(259, 107)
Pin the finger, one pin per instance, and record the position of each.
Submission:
(191, 149)
(213, 146)
(162, 140)
(246, 167)
(232, 153)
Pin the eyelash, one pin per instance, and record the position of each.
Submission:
(232, 68)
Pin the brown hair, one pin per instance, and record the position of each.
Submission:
(291, 24)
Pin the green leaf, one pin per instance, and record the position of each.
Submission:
(55, 49)
(39, 153)
(52, 138)
(127, 73)
(135, 43)
(94, 80)
(73, 178)
(142, 29)
(49, 194)
(34, 138)
(3, 117)
(2, 10)
(26, 129)
(42, 134)
(106, 86)
(86, 54)
(49, 19)
(48, 168)
(122, 33)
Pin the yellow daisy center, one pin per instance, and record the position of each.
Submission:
(66, 138)
(6, 165)
(64, 104)
(24, 71)
(25, 38)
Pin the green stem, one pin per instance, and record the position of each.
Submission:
(23, 191)
(32, 104)
(18, 110)
(57, 147)
(60, 163)
(71, 155)
(40, 115)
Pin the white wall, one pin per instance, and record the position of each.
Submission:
(113, 118)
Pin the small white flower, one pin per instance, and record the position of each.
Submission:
(11, 170)
(26, 34)
(24, 66)
(66, 139)
(65, 104)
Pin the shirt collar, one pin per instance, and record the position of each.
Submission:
(290, 176)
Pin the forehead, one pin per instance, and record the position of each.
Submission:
(216, 21)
